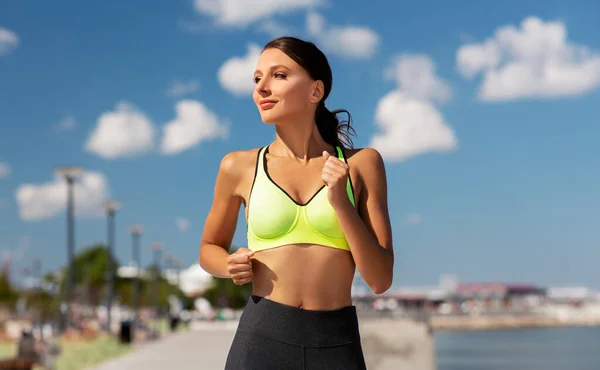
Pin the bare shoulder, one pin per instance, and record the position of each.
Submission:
(365, 160)
(237, 163)
(367, 169)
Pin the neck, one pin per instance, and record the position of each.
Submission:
(299, 139)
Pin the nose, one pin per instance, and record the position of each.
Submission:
(262, 87)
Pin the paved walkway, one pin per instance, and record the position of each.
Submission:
(389, 344)
(198, 349)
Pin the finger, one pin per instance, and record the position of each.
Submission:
(327, 178)
(240, 268)
(335, 171)
(239, 258)
(242, 282)
(331, 173)
(243, 275)
(326, 154)
(331, 168)
(334, 161)
(336, 165)
(245, 251)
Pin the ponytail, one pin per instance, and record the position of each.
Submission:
(333, 131)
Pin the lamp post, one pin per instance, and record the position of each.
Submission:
(69, 173)
(168, 257)
(136, 232)
(179, 265)
(157, 247)
(111, 208)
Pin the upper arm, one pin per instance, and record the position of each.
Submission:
(373, 200)
(221, 221)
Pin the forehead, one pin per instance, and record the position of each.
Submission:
(274, 57)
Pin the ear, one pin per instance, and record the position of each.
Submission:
(318, 91)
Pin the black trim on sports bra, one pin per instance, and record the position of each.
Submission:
(280, 188)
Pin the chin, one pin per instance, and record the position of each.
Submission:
(269, 119)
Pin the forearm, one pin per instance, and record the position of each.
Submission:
(213, 259)
(374, 263)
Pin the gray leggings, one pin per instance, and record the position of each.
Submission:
(275, 336)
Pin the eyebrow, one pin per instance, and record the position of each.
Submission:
(274, 67)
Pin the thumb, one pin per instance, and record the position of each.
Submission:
(246, 252)
(326, 154)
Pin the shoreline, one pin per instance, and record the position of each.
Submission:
(473, 323)
(445, 324)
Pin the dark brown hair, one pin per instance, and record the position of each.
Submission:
(309, 57)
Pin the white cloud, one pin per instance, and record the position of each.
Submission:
(415, 76)
(5, 170)
(235, 75)
(194, 279)
(182, 223)
(533, 61)
(413, 219)
(66, 124)
(274, 28)
(357, 42)
(38, 202)
(125, 132)
(193, 124)
(8, 41)
(240, 13)
(409, 123)
(179, 88)
(410, 127)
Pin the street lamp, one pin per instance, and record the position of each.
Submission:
(178, 265)
(168, 257)
(157, 247)
(111, 208)
(69, 173)
(136, 231)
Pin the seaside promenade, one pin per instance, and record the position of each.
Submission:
(191, 349)
(396, 344)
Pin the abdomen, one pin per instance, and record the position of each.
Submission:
(301, 275)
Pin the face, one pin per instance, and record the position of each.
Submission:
(283, 90)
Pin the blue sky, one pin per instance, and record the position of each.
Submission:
(486, 117)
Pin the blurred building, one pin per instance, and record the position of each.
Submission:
(453, 297)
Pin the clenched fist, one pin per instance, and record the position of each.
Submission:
(239, 266)
(335, 175)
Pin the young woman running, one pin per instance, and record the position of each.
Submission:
(316, 211)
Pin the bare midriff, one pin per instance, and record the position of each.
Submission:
(312, 277)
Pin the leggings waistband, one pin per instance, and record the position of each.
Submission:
(300, 327)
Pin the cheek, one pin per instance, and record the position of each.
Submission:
(294, 98)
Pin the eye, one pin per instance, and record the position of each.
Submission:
(279, 75)
(256, 79)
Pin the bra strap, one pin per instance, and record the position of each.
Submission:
(349, 188)
(260, 166)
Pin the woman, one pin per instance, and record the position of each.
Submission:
(315, 211)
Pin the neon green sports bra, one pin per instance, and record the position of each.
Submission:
(275, 219)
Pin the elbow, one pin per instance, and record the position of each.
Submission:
(382, 286)
(202, 259)
(384, 282)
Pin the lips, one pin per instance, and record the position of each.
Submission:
(266, 103)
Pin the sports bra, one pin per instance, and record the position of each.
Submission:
(275, 219)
